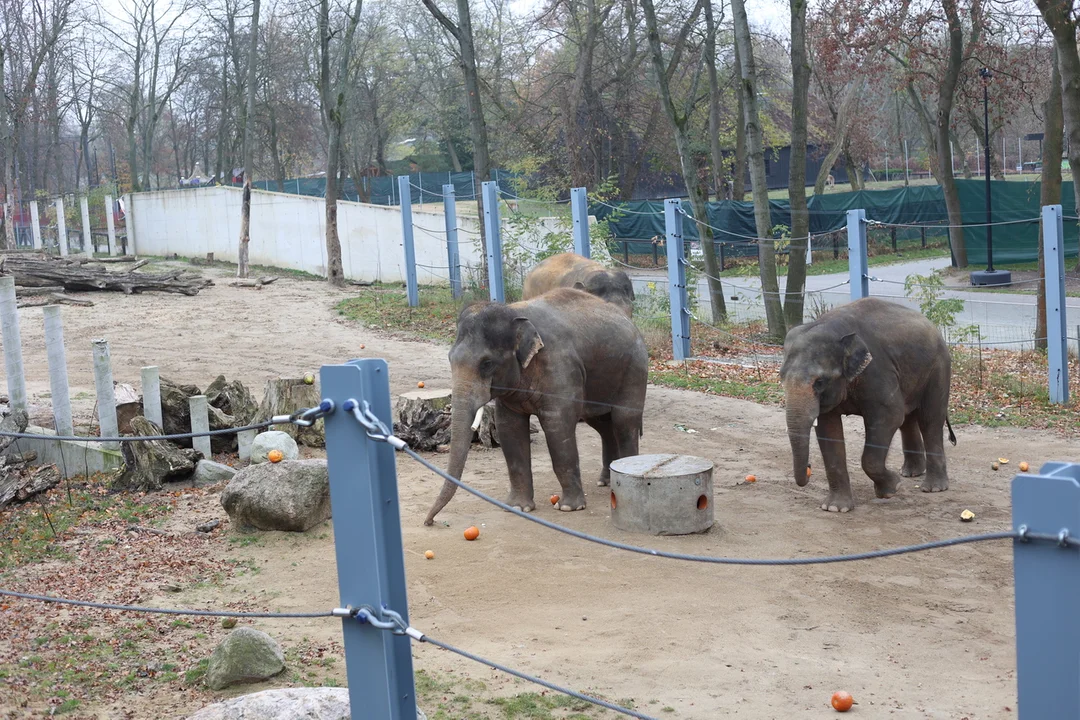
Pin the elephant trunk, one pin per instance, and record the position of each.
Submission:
(802, 410)
(467, 399)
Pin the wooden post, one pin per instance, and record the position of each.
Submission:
(58, 377)
(13, 360)
(200, 422)
(61, 227)
(35, 219)
(110, 223)
(88, 245)
(103, 385)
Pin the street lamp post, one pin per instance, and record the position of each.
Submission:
(989, 276)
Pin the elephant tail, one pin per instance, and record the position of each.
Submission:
(952, 436)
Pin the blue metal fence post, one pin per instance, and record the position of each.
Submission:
(676, 264)
(579, 209)
(405, 191)
(1057, 336)
(367, 542)
(1047, 586)
(452, 257)
(857, 264)
(492, 229)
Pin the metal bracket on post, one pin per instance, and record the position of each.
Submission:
(405, 191)
(1057, 336)
(579, 209)
(367, 542)
(453, 258)
(676, 263)
(1047, 584)
(857, 263)
(492, 229)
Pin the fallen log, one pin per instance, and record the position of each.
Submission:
(43, 290)
(75, 274)
(42, 300)
(21, 485)
(252, 282)
(152, 463)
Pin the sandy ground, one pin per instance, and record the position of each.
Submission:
(929, 635)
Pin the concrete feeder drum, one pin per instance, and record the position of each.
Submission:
(662, 494)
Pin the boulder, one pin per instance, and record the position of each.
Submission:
(208, 472)
(292, 495)
(232, 398)
(246, 655)
(320, 703)
(273, 440)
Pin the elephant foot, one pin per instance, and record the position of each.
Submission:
(605, 478)
(935, 484)
(913, 468)
(570, 502)
(839, 501)
(885, 489)
(521, 502)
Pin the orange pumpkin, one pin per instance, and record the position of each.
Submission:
(275, 456)
(471, 533)
(842, 701)
(554, 499)
(751, 478)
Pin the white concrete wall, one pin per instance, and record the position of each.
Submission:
(289, 231)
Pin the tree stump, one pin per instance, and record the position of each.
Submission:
(152, 463)
(14, 422)
(176, 416)
(128, 405)
(486, 432)
(232, 398)
(19, 483)
(284, 396)
(423, 419)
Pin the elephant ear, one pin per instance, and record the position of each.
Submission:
(528, 341)
(856, 355)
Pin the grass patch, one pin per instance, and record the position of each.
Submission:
(253, 270)
(825, 264)
(464, 699)
(386, 307)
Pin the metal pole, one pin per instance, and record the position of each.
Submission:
(405, 191)
(453, 257)
(35, 230)
(110, 224)
(907, 162)
(368, 546)
(493, 228)
(106, 396)
(200, 422)
(58, 378)
(1047, 579)
(886, 163)
(857, 263)
(579, 208)
(676, 267)
(151, 391)
(978, 158)
(13, 360)
(88, 238)
(61, 227)
(1057, 341)
(986, 131)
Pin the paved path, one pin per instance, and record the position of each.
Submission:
(1004, 319)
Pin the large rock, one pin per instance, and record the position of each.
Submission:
(321, 703)
(232, 398)
(246, 655)
(176, 416)
(208, 472)
(292, 495)
(273, 440)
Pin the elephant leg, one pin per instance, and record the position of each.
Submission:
(879, 436)
(560, 429)
(937, 479)
(914, 451)
(830, 435)
(514, 440)
(603, 426)
(627, 426)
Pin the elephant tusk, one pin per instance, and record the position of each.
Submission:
(479, 417)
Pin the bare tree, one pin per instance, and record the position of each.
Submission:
(680, 125)
(748, 88)
(800, 214)
(333, 97)
(1050, 187)
(249, 146)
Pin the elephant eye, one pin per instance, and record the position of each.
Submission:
(487, 366)
(819, 385)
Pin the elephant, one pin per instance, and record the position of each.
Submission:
(565, 357)
(575, 271)
(880, 360)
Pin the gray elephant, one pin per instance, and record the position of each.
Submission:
(882, 361)
(565, 357)
(575, 271)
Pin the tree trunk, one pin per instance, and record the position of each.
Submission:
(423, 419)
(150, 464)
(800, 214)
(1050, 186)
(721, 186)
(738, 173)
(946, 97)
(249, 146)
(770, 287)
(840, 132)
(8, 149)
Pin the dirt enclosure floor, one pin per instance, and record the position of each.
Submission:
(929, 635)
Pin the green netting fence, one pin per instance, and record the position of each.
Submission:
(635, 224)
